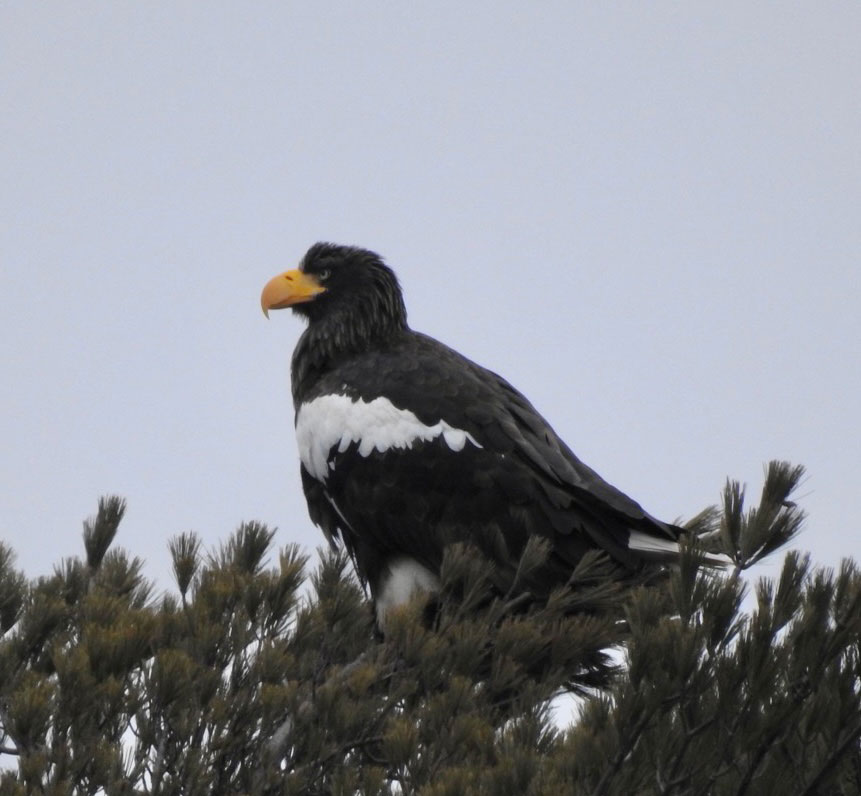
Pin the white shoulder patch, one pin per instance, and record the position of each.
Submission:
(376, 425)
(638, 540)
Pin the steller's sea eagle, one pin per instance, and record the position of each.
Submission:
(407, 446)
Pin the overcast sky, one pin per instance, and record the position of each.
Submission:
(647, 216)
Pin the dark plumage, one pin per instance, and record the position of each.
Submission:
(407, 446)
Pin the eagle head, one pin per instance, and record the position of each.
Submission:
(335, 280)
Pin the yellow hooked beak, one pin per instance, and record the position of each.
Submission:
(291, 287)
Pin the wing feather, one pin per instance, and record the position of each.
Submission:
(520, 480)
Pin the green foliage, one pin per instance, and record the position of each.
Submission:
(259, 677)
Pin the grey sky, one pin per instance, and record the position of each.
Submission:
(646, 216)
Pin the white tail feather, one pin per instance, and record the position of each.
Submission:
(637, 540)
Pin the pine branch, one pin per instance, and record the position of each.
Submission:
(234, 682)
(814, 785)
(624, 750)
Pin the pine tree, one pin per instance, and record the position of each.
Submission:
(257, 677)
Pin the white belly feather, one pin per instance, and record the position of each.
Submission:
(405, 577)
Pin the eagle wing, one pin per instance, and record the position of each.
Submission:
(444, 450)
